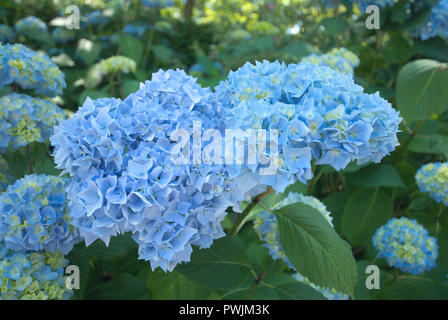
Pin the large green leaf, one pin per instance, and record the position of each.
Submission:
(334, 26)
(414, 287)
(366, 210)
(433, 144)
(223, 266)
(131, 47)
(123, 286)
(315, 249)
(422, 89)
(118, 246)
(173, 286)
(382, 175)
(299, 49)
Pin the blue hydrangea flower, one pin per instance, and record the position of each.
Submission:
(96, 18)
(25, 119)
(330, 294)
(135, 30)
(157, 3)
(7, 33)
(339, 59)
(35, 216)
(30, 24)
(437, 24)
(26, 275)
(267, 228)
(30, 70)
(319, 113)
(126, 175)
(406, 245)
(432, 178)
(63, 35)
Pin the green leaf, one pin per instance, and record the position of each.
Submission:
(124, 286)
(432, 144)
(131, 47)
(162, 53)
(334, 26)
(422, 89)
(398, 49)
(382, 175)
(118, 246)
(411, 287)
(299, 49)
(366, 210)
(434, 48)
(289, 288)
(173, 286)
(224, 266)
(88, 51)
(315, 249)
(130, 86)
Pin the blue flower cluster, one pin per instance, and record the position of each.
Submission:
(432, 178)
(96, 18)
(7, 33)
(318, 113)
(30, 70)
(25, 119)
(406, 245)
(267, 228)
(339, 59)
(35, 217)
(30, 24)
(128, 173)
(26, 275)
(157, 3)
(63, 35)
(135, 30)
(437, 24)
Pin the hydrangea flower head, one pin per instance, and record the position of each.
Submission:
(266, 226)
(30, 70)
(432, 178)
(406, 245)
(125, 175)
(31, 23)
(437, 24)
(318, 113)
(339, 59)
(7, 33)
(35, 217)
(117, 64)
(26, 119)
(26, 275)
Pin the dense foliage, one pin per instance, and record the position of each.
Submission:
(354, 119)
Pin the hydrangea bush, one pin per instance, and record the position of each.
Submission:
(131, 180)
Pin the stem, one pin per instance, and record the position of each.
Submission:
(28, 159)
(241, 218)
(313, 182)
(403, 147)
(120, 85)
(255, 285)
